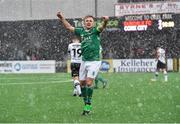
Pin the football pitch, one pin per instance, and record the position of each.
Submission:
(129, 97)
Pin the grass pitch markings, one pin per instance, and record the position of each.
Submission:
(31, 83)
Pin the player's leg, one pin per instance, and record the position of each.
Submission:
(101, 79)
(82, 78)
(85, 97)
(156, 72)
(89, 92)
(93, 68)
(75, 74)
(165, 75)
(165, 72)
(77, 85)
(96, 82)
(72, 75)
(74, 92)
(76, 79)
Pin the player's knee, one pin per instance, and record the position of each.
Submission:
(82, 83)
(89, 81)
(76, 78)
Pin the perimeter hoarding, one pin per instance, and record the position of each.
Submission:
(47, 66)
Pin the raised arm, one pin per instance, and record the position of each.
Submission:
(104, 23)
(65, 22)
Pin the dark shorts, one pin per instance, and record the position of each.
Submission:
(75, 69)
(161, 65)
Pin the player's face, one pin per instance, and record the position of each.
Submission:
(89, 22)
(157, 48)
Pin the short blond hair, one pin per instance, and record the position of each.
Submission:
(88, 16)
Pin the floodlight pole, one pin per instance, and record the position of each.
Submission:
(95, 8)
(30, 8)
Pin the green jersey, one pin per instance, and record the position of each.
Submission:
(90, 43)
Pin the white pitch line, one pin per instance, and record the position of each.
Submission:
(50, 82)
(20, 78)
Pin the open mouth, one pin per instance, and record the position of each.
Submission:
(88, 25)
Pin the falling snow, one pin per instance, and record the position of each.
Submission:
(140, 104)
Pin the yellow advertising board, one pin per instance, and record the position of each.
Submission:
(175, 67)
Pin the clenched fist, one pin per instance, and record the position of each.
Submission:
(105, 18)
(60, 15)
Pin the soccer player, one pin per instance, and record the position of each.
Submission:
(74, 49)
(161, 63)
(90, 47)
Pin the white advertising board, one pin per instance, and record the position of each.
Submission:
(47, 66)
(134, 65)
(6, 67)
(170, 64)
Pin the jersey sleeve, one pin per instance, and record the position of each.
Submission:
(78, 31)
(97, 30)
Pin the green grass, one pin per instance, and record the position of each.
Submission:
(129, 97)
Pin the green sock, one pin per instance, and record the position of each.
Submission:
(84, 93)
(89, 94)
(96, 82)
(83, 90)
(100, 78)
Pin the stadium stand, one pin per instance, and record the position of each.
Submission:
(47, 40)
(40, 40)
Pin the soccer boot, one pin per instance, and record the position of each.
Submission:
(74, 95)
(87, 109)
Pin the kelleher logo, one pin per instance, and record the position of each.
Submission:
(17, 66)
(105, 66)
